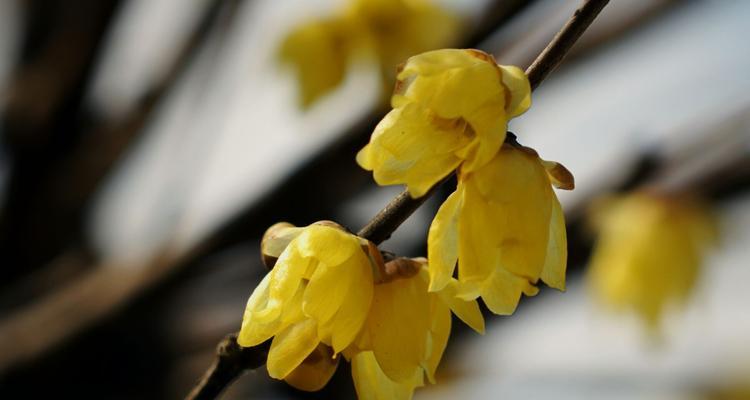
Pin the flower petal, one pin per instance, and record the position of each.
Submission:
(353, 312)
(399, 332)
(315, 371)
(291, 347)
(372, 384)
(520, 90)
(442, 242)
(553, 273)
(466, 311)
(412, 146)
(503, 289)
(440, 330)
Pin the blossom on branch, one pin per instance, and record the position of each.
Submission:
(504, 227)
(331, 293)
(450, 107)
(649, 252)
(319, 291)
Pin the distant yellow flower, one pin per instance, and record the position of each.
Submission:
(319, 53)
(505, 228)
(319, 291)
(649, 251)
(405, 333)
(389, 30)
(450, 107)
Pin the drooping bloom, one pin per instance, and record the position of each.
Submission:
(450, 107)
(319, 291)
(505, 229)
(405, 333)
(649, 252)
(389, 31)
(330, 292)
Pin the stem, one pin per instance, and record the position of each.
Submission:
(232, 359)
(400, 208)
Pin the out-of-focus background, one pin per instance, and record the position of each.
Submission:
(145, 145)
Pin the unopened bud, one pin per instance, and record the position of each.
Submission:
(275, 240)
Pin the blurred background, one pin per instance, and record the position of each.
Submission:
(145, 145)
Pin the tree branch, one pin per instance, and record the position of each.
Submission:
(229, 359)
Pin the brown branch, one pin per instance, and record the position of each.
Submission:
(231, 361)
(223, 372)
(399, 209)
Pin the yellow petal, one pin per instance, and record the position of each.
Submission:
(399, 323)
(452, 83)
(442, 242)
(291, 347)
(502, 291)
(466, 311)
(372, 384)
(326, 244)
(352, 314)
(284, 281)
(319, 53)
(553, 273)
(413, 147)
(519, 88)
(315, 371)
(252, 332)
(440, 330)
(510, 214)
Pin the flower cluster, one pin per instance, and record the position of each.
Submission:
(649, 251)
(503, 226)
(330, 293)
(387, 30)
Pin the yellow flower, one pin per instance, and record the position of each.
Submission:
(405, 333)
(397, 29)
(649, 252)
(319, 291)
(505, 228)
(319, 52)
(389, 30)
(450, 107)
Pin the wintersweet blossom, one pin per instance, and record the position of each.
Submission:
(330, 292)
(319, 291)
(505, 229)
(405, 333)
(388, 31)
(450, 107)
(649, 252)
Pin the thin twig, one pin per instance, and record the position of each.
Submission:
(400, 208)
(231, 361)
(217, 377)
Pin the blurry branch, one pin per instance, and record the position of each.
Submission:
(100, 291)
(222, 372)
(231, 361)
(73, 184)
(40, 116)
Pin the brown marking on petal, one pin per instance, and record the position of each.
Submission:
(448, 124)
(560, 176)
(330, 224)
(401, 268)
(272, 233)
(481, 55)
